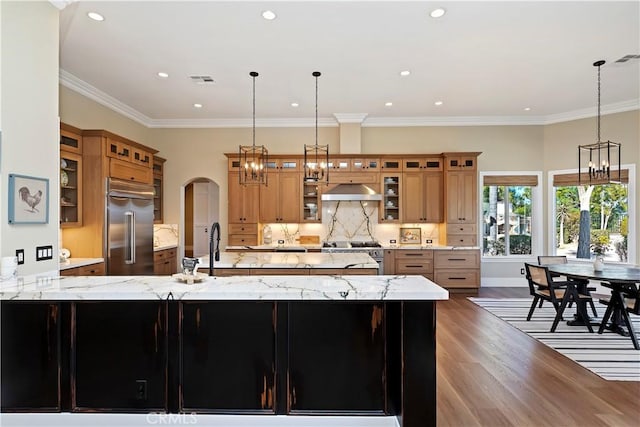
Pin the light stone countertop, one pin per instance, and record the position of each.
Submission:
(79, 262)
(270, 288)
(167, 246)
(290, 260)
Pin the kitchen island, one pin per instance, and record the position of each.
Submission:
(285, 263)
(268, 345)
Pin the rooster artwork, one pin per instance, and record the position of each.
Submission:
(32, 200)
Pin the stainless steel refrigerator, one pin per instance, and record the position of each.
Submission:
(129, 228)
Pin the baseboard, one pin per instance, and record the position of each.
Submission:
(503, 282)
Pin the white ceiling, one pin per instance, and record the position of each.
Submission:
(486, 61)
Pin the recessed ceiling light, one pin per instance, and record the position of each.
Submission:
(388, 104)
(438, 103)
(95, 16)
(527, 108)
(163, 75)
(437, 13)
(405, 73)
(269, 15)
(295, 104)
(197, 105)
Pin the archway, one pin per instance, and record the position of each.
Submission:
(199, 208)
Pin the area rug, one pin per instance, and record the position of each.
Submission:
(611, 356)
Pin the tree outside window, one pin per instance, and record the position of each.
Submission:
(592, 216)
(506, 220)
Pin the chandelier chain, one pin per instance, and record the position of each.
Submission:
(599, 103)
(316, 110)
(254, 110)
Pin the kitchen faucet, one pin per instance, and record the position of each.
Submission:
(214, 251)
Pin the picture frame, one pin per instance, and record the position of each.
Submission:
(410, 235)
(28, 199)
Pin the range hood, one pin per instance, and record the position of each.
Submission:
(351, 192)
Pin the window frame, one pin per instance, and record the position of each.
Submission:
(537, 215)
(631, 212)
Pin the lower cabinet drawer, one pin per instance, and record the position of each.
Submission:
(250, 228)
(92, 270)
(163, 254)
(243, 239)
(457, 278)
(417, 266)
(461, 239)
(461, 229)
(86, 270)
(457, 259)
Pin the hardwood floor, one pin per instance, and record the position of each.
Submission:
(491, 374)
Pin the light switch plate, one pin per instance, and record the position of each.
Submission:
(20, 256)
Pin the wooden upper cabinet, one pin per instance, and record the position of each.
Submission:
(141, 157)
(461, 162)
(365, 164)
(422, 197)
(391, 164)
(243, 201)
(422, 163)
(70, 139)
(338, 164)
(461, 198)
(158, 189)
(70, 189)
(70, 176)
(118, 150)
(277, 164)
(280, 201)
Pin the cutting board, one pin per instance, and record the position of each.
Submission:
(309, 240)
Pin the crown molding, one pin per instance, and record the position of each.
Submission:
(350, 117)
(452, 121)
(618, 107)
(242, 123)
(74, 83)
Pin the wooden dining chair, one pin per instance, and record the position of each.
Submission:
(562, 259)
(543, 288)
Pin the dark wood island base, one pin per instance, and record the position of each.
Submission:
(280, 357)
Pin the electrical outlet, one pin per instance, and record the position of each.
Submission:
(429, 241)
(20, 256)
(141, 389)
(522, 271)
(44, 253)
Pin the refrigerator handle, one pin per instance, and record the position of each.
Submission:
(130, 237)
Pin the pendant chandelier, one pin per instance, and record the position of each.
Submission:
(600, 160)
(253, 159)
(316, 157)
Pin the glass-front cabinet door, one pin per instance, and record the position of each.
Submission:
(391, 190)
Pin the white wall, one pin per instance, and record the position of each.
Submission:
(29, 121)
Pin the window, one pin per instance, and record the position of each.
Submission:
(588, 218)
(508, 205)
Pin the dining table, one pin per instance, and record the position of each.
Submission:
(621, 279)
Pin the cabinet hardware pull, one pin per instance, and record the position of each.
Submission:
(456, 259)
(413, 254)
(414, 266)
(456, 278)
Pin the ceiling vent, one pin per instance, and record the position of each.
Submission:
(202, 80)
(628, 57)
